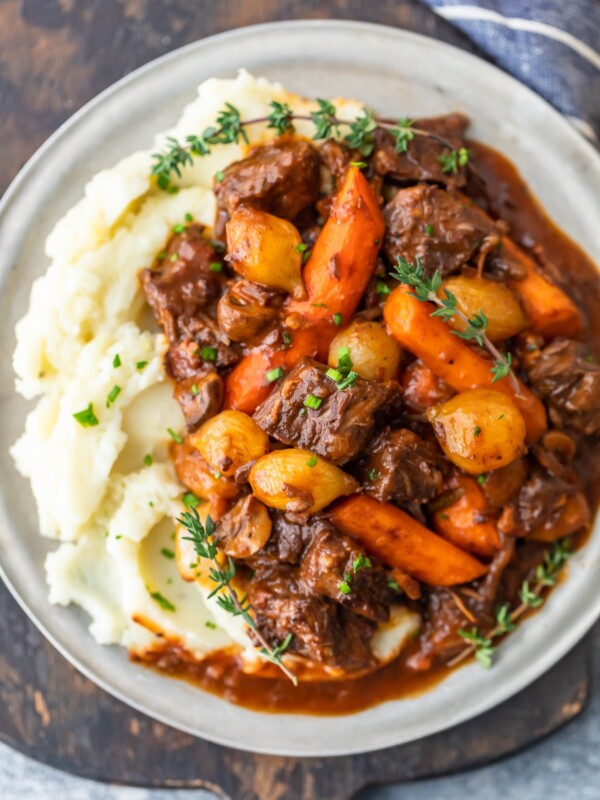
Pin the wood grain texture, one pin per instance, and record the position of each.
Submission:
(55, 55)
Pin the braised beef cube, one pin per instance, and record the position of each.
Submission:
(182, 282)
(281, 177)
(430, 224)
(401, 466)
(247, 311)
(421, 161)
(337, 567)
(199, 397)
(541, 502)
(567, 377)
(202, 345)
(321, 630)
(344, 420)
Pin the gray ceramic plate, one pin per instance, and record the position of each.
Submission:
(398, 73)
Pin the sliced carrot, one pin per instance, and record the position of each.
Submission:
(574, 515)
(247, 385)
(467, 522)
(451, 358)
(344, 256)
(550, 310)
(400, 541)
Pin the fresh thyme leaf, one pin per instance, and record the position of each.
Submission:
(529, 597)
(280, 117)
(344, 587)
(87, 418)
(453, 160)
(361, 133)
(484, 651)
(222, 575)
(361, 562)
(502, 367)
(402, 134)
(504, 623)
(324, 120)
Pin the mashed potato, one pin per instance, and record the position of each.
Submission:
(108, 493)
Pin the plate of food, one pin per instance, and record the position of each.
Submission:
(307, 397)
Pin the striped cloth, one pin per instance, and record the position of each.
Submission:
(551, 45)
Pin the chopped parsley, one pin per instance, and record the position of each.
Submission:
(361, 562)
(164, 551)
(208, 353)
(476, 430)
(429, 230)
(301, 248)
(373, 474)
(358, 164)
(174, 257)
(287, 339)
(215, 266)
(195, 389)
(218, 474)
(382, 288)
(312, 461)
(210, 624)
(274, 374)
(175, 436)
(179, 228)
(219, 175)
(188, 217)
(344, 587)
(481, 479)
(338, 319)
(148, 460)
(117, 361)
(165, 604)
(190, 500)
(141, 364)
(112, 395)
(87, 418)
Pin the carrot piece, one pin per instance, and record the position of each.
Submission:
(574, 515)
(464, 522)
(550, 310)
(400, 541)
(344, 256)
(451, 358)
(247, 386)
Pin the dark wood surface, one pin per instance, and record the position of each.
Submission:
(54, 56)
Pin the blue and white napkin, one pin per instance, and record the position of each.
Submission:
(551, 45)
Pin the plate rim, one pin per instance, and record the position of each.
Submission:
(570, 636)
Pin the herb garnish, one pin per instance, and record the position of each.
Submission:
(274, 374)
(311, 401)
(175, 436)
(112, 395)
(530, 595)
(426, 291)
(312, 461)
(148, 460)
(87, 418)
(338, 319)
(230, 128)
(228, 599)
(190, 500)
(162, 601)
(141, 364)
(208, 353)
(117, 361)
(164, 551)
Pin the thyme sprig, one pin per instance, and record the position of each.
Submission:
(230, 128)
(222, 576)
(426, 291)
(530, 595)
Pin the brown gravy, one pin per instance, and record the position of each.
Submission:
(509, 198)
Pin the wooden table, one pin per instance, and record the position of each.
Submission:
(54, 56)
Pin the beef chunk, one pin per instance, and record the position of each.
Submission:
(541, 504)
(333, 560)
(428, 223)
(183, 282)
(247, 311)
(201, 345)
(568, 378)
(400, 466)
(341, 426)
(421, 160)
(336, 158)
(281, 177)
(199, 397)
(322, 630)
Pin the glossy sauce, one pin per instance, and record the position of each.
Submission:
(506, 196)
